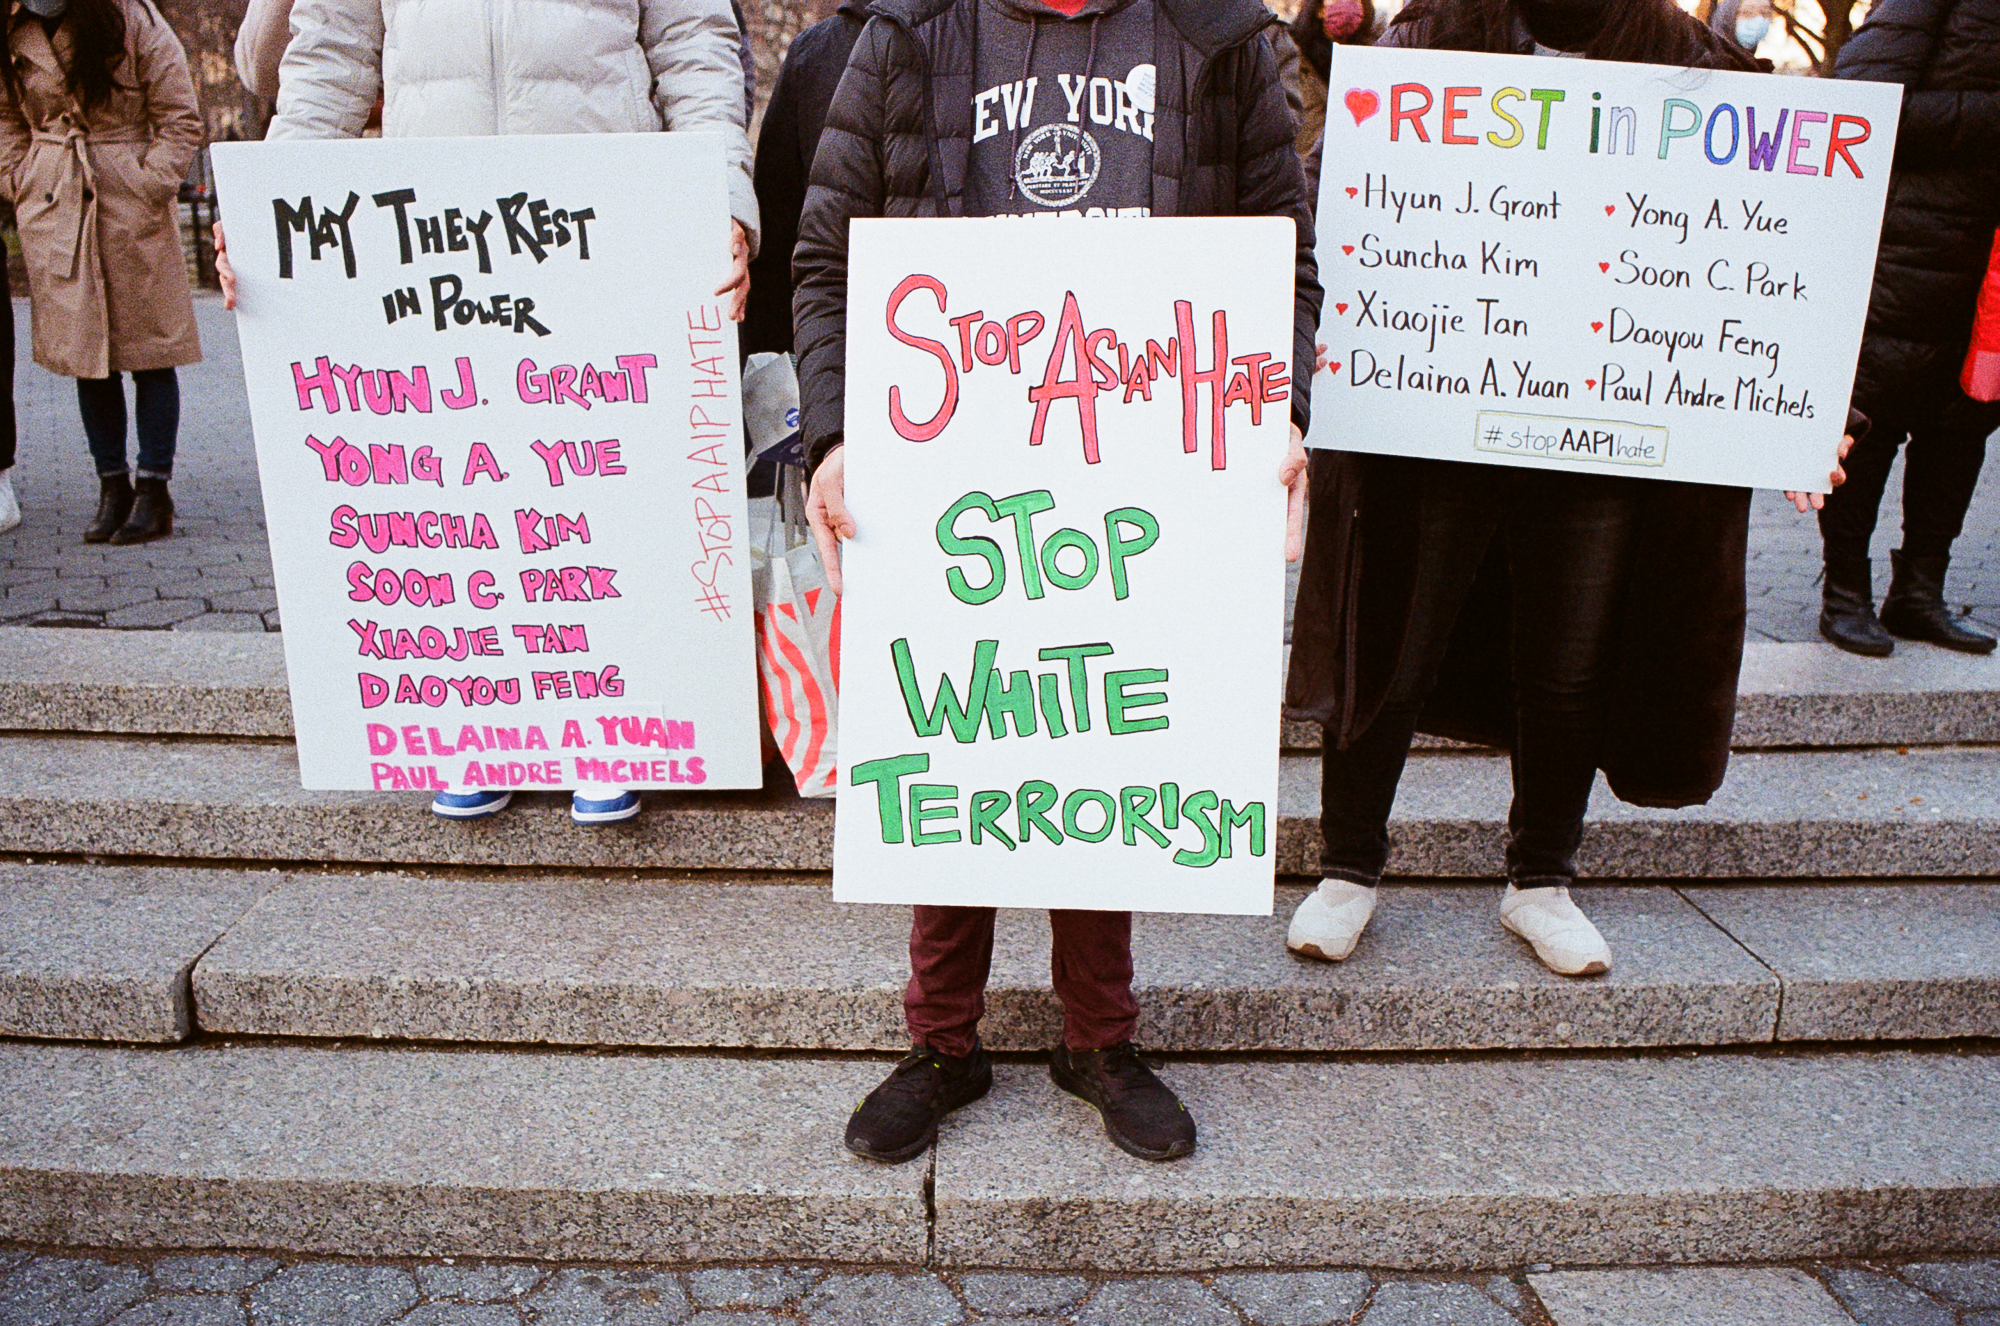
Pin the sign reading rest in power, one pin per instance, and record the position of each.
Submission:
(496, 410)
(1597, 266)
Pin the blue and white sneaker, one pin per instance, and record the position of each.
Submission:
(606, 810)
(469, 805)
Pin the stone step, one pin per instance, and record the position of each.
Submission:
(215, 684)
(190, 683)
(1870, 814)
(1431, 1163)
(593, 962)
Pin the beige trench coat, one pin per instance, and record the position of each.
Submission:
(95, 197)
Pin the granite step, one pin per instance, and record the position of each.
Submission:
(1868, 814)
(1404, 1163)
(214, 684)
(596, 962)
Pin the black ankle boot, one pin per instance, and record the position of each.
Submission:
(152, 514)
(114, 503)
(1914, 607)
(1847, 616)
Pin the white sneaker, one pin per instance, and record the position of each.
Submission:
(10, 506)
(1328, 924)
(1562, 936)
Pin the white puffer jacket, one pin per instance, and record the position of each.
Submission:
(463, 68)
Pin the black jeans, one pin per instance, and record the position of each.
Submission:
(102, 401)
(1947, 436)
(1569, 541)
(6, 375)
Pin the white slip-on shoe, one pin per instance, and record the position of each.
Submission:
(1562, 936)
(1328, 924)
(10, 506)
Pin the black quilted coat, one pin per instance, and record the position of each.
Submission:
(900, 130)
(1944, 196)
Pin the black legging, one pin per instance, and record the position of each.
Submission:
(1569, 541)
(1947, 435)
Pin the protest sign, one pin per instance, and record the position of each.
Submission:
(496, 409)
(1063, 612)
(1584, 265)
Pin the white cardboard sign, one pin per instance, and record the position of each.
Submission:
(496, 408)
(1595, 266)
(1063, 613)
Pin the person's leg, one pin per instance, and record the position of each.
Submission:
(1458, 510)
(1458, 513)
(1940, 472)
(101, 402)
(1091, 963)
(157, 402)
(951, 955)
(1569, 545)
(10, 505)
(1846, 523)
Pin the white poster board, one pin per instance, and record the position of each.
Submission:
(496, 409)
(1595, 266)
(1063, 614)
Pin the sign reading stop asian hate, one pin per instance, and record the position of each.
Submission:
(496, 410)
(1595, 266)
(1063, 607)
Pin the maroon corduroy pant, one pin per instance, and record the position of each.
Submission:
(951, 953)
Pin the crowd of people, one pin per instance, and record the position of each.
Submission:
(1413, 612)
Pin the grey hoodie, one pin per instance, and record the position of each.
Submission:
(1062, 122)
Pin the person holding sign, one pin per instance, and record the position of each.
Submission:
(462, 69)
(1038, 109)
(1943, 209)
(98, 128)
(1580, 620)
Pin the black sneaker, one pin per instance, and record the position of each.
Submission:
(1141, 1113)
(900, 1118)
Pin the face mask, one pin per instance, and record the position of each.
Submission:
(1750, 30)
(1340, 19)
(45, 8)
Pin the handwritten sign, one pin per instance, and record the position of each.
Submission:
(1595, 266)
(1060, 661)
(496, 411)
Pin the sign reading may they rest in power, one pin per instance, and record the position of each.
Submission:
(1597, 266)
(496, 409)
(1060, 659)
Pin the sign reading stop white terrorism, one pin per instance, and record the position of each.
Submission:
(495, 402)
(1060, 663)
(1596, 266)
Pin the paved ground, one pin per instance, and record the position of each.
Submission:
(215, 573)
(164, 1289)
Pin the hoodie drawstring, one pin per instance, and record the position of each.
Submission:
(1027, 65)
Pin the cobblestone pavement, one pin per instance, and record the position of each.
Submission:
(178, 1289)
(214, 574)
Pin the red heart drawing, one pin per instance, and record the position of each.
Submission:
(1604, 267)
(1590, 382)
(1611, 209)
(1352, 192)
(1597, 326)
(1340, 308)
(1347, 248)
(1361, 103)
(1333, 367)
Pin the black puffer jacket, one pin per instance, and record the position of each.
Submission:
(785, 146)
(900, 130)
(1944, 195)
